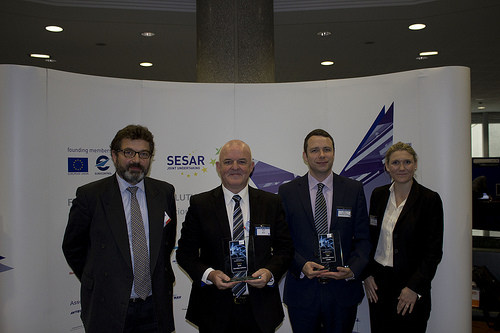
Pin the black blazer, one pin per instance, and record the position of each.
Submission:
(347, 193)
(205, 233)
(97, 249)
(417, 235)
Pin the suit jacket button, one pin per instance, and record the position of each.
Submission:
(103, 246)
(106, 273)
(395, 235)
(395, 250)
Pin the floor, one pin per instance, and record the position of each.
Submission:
(481, 327)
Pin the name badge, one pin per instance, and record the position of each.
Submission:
(373, 220)
(262, 230)
(343, 212)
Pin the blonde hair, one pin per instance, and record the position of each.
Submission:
(400, 146)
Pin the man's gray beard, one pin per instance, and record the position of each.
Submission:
(131, 177)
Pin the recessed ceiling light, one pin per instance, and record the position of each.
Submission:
(417, 26)
(481, 107)
(53, 28)
(146, 64)
(40, 56)
(147, 34)
(327, 63)
(324, 33)
(428, 53)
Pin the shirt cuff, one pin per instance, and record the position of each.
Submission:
(204, 278)
(271, 282)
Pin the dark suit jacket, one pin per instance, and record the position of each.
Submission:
(354, 236)
(417, 235)
(204, 235)
(96, 247)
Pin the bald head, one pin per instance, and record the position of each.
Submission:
(235, 165)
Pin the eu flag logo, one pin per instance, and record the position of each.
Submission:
(78, 164)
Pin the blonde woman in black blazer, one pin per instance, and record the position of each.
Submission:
(406, 228)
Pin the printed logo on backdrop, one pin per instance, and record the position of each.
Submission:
(80, 165)
(365, 165)
(4, 268)
(102, 163)
(192, 165)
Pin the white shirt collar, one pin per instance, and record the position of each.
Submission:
(328, 181)
(228, 195)
(123, 184)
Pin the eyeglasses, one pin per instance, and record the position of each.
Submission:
(130, 153)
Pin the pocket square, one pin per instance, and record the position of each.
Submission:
(166, 220)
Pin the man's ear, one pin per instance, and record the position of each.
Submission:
(217, 167)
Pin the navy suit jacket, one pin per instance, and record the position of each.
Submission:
(205, 234)
(417, 236)
(96, 247)
(354, 235)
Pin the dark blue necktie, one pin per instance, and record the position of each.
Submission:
(238, 233)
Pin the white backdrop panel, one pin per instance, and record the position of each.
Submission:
(24, 215)
(50, 117)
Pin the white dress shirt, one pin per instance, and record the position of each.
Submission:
(384, 254)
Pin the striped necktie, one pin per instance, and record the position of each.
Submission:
(320, 212)
(142, 275)
(238, 233)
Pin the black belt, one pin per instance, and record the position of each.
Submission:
(139, 300)
(243, 299)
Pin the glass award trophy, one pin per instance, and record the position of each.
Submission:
(330, 250)
(238, 261)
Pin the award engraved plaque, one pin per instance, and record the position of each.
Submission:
(330, 250)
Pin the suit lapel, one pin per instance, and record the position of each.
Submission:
(115, 215)
(410, 202)
(305, 199)
(339, 188)
(256, 217)
(156, 218)
(255, 205)
(384, 199)
(219, 206)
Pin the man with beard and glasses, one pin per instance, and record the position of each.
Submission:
(118, 242)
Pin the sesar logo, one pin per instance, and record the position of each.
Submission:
(190, 160)
(189, 165)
